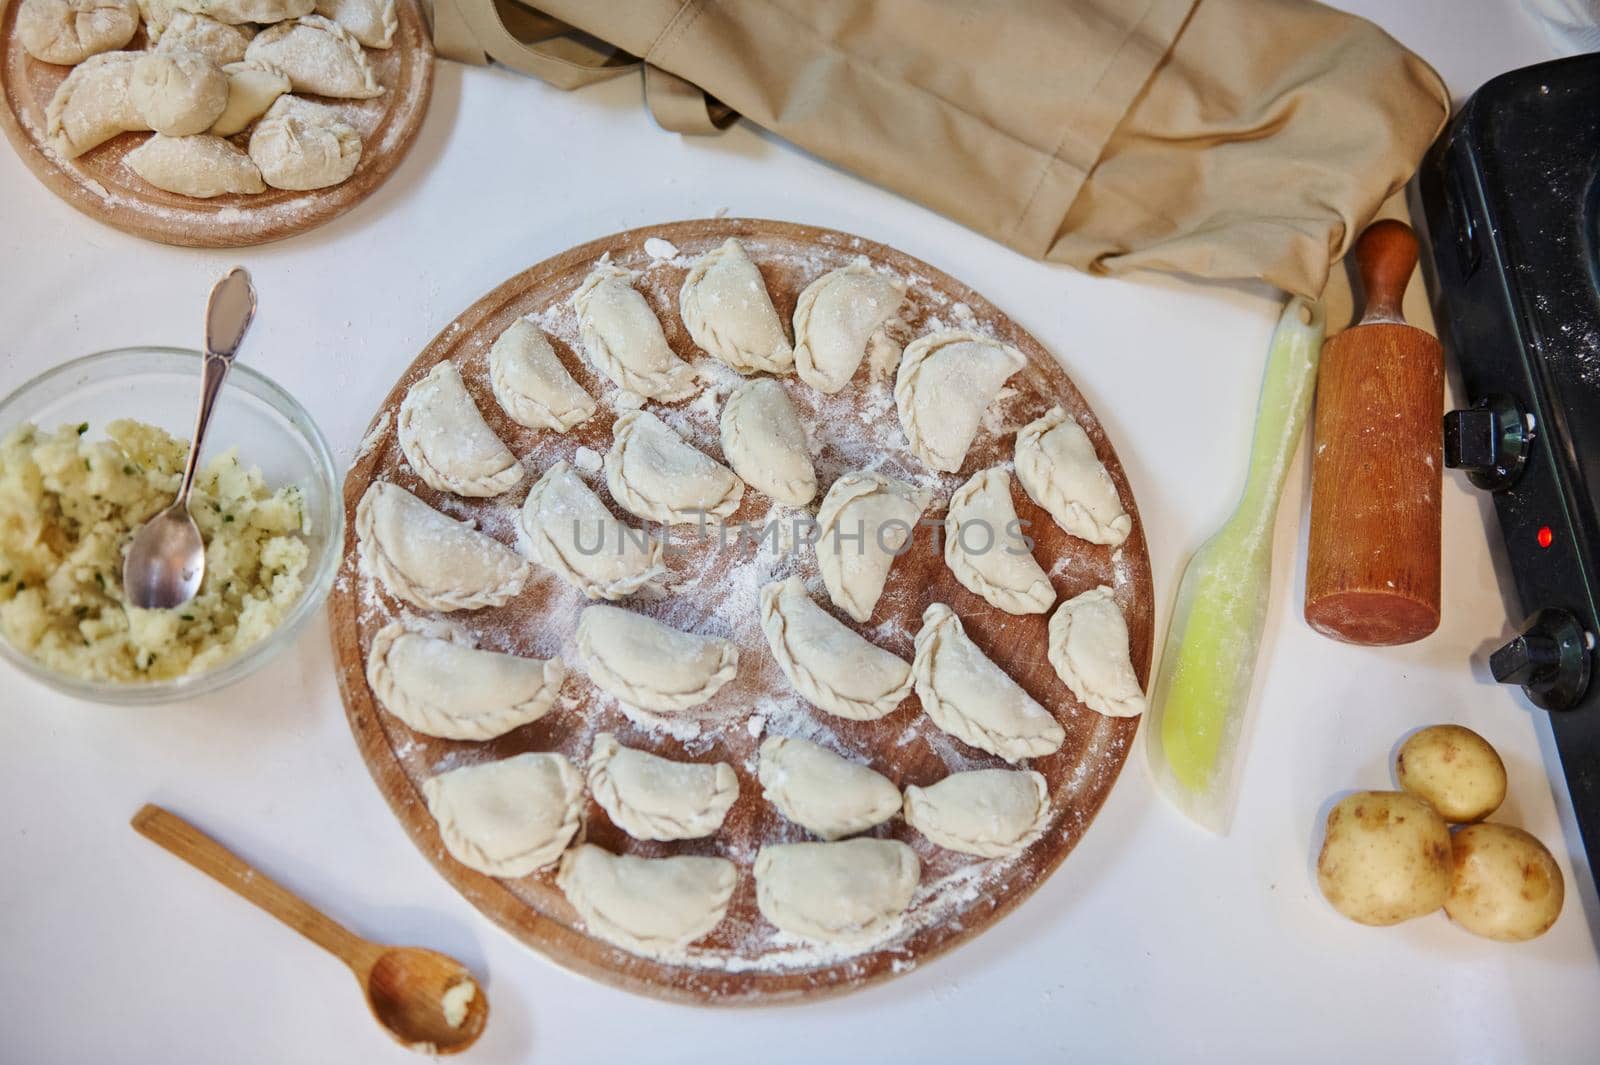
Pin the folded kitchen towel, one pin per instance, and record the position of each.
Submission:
(1222, 138)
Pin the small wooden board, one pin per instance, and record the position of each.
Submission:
(745, 960)
(100, 185)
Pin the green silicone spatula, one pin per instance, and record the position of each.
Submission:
(1203, 686)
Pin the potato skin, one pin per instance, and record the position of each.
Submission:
(1385, 858)
(1454, 770)
(1505, 884)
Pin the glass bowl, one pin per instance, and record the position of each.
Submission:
(161, 387)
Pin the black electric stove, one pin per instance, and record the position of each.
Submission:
(1511, 195)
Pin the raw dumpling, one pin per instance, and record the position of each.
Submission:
(202, 166)
(865, 520)
(569, 530)
(300, 145)
(727, 310)
(531, 384)
(1089, 648)
(448, 443)
(654, 474)
(623, 339)
(650, 797)
(945, 383)
(970, 697)
(766, 444)
(985, 549)
(319, 56)
(93, 104)
(822, 791)
(235, 12)
(987, 812)
(429, 560)
(852, 892)
(650, 665)
(252, 88)
(837, 315)
(69, 31)
(178, 94)
(448, 689)
(187, 32)
(156, 14)
(828, 663)
(1057, 466)
(510, 817)
(650, 906)
(372, 22)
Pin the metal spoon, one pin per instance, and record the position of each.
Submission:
(167, 558)
(405, 986)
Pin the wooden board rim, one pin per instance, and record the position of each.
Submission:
(568, 947)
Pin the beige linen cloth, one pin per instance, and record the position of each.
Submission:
(1221, 138)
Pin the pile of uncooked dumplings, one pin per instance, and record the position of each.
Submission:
(215, 86)
(511, 817)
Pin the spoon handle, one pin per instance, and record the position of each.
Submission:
(233, 872)
(212, 373)
(229, 310)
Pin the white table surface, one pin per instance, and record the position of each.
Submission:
(1153, 941)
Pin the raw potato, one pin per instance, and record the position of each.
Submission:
(1506, 885)
(1454, 770)
(1385, 859)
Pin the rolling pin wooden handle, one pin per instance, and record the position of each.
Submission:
(1386, 255)
(233, 872)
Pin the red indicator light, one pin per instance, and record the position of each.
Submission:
(1546, 538)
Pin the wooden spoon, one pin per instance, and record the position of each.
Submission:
(405, 986)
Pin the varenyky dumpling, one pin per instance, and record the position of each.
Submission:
(530, 383)
(186, 31)
(650, 906)
(985, 549)
(319, 56)
(235, 12)
(852, 892)
(569, 530)
(829, 663)
(1089, 650)
(864, 520)
(1057, 466)
(654, 798)
(253, 87)
(507, 818)
(766, 444)
(179, 94)
(429, 560)
(201, 166)
(67, 32)
(945, 383)
(656, 475)
(93, 104)
(836, 317)
(301, 145)
(987, 812)
(623, 339)
(446, 440)
(974, 700)
(728, 311)
(650, 665)
(824, 792)
(372, 22)
(451, 690)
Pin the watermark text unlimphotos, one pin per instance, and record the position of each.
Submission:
(790, 533)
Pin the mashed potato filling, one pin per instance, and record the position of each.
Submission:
(70, 505)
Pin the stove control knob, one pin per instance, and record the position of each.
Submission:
(1490, 441)
(1550, 660)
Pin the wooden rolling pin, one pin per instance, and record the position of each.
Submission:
(1372, 570)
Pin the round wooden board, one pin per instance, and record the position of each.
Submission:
(745, 960)
(100, 185)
